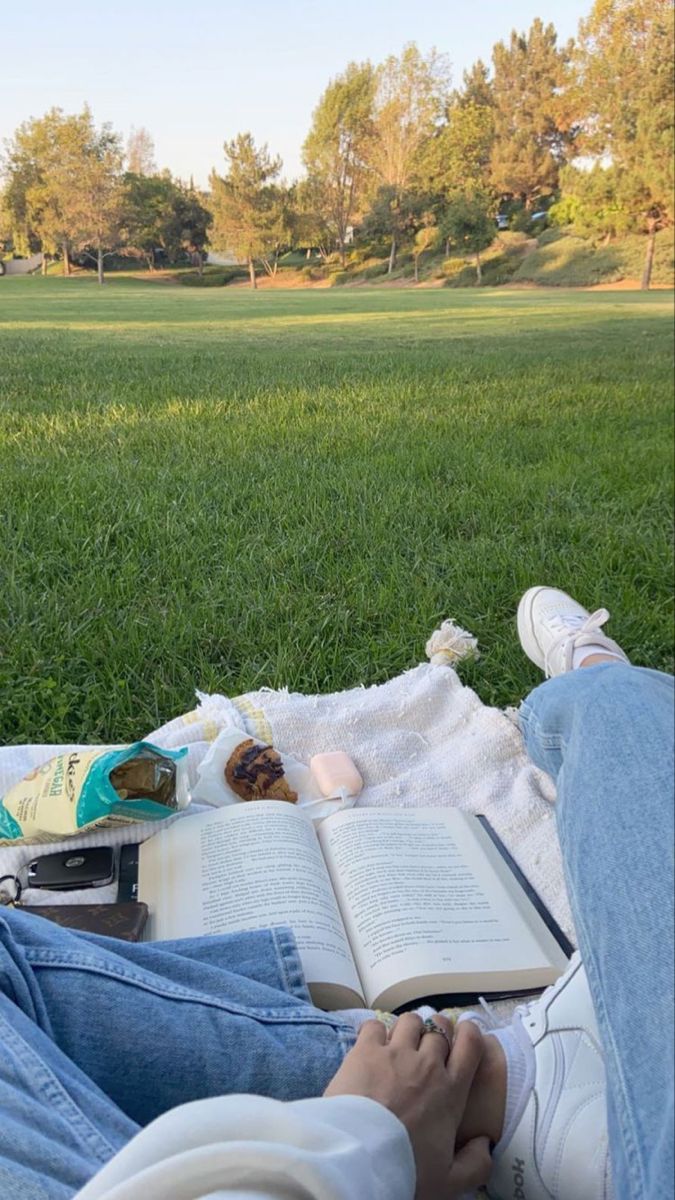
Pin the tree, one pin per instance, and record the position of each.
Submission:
(95, 195)
(592, 202)
(37, 164)
(394, 215)
(625, 93)
(410, 99)
(310, 217)
(141, 152)
(426, 238)
(458, 157)
(6, 240)
(336, 149)
(533, 132)
(476, 87)
(63, 185)
(148, 213)
(469, 227)
(245, 202)
(161, 213)
(191, 223)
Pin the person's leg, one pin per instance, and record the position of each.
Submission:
(158, 1024)
(605, 735)
(57, 1129)
(598, 1044)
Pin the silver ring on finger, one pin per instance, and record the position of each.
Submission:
(430, 1026)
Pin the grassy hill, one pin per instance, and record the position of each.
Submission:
(555, 259)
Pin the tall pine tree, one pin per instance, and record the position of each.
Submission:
(246, 202)
(533, 134)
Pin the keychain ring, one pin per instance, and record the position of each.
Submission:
(17, 884)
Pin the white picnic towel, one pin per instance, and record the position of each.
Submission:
(422, 739)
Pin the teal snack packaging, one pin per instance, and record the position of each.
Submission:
(87, 789)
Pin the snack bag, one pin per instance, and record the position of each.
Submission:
(84, 789)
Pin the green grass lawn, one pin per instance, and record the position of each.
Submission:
(224, 490)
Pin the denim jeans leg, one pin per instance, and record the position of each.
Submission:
(605, 735)
(155, 1025)
(57, 1128)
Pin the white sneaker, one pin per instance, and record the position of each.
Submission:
(551, 626)
(559, 1149)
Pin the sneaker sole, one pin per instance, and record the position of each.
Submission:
(526, 628)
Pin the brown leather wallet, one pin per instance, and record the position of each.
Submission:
(125, 920)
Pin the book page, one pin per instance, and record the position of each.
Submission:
(248, 866)
(420, 899)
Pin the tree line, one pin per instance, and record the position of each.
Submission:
(73, 191)
(580, 131)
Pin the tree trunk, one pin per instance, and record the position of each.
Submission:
(251, 274)
(66, 259)
(99, 265)
(200, 264)
(479, 269)
(392, 256)
(447, 247)
(649, 258)
(417, 276)
(343, 255)
(309, 252)
(44, 264)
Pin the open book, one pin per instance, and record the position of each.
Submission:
(388, 906)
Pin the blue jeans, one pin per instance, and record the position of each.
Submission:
(97, 1037)
(605, 734)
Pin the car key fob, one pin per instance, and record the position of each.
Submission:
(89, 866)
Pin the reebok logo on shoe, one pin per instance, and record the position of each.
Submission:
(518, 1168)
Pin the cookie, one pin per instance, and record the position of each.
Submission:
(255, 772)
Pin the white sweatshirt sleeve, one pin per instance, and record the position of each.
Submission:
(251, 1148)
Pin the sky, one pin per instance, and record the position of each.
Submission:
(197, 72)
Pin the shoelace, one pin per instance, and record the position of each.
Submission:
(572, 628)
(488, 1021)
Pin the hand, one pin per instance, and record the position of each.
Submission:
(424, 1080)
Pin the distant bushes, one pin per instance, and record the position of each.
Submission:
(498, 264)
(375, 270)
(313, 274)
(213, 277)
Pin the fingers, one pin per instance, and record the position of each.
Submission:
(471, 1167)
(467, 1052)
(372, 1033)
(408, 1032)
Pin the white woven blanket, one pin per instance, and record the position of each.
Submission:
(420, 739)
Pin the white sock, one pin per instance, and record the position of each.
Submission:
(520, 1070)
(581, 653)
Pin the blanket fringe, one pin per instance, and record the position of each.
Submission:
(450, 644)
